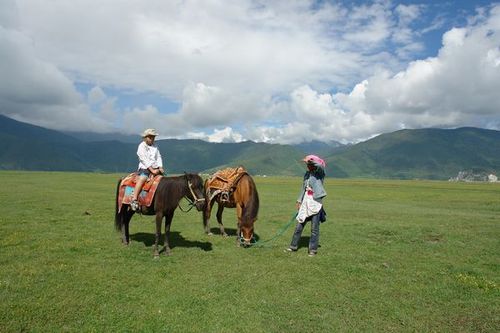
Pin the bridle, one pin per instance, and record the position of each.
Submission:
(196, 200)
(244, 241)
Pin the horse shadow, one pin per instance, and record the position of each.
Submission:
(176, 240)
(231, 232)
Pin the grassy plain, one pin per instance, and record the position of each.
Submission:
(395, 256)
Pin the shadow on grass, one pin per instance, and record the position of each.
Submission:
(304, 242)
(176, 240)
(229, 231)
(232, 232)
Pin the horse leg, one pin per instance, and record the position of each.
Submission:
(159, 219)
(124, 234)
(168, 223)
(239, 211)
(206, 217)
(220, 210)
(126, 217)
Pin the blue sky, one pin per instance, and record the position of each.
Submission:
(267, 71)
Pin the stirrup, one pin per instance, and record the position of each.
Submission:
(134, 205)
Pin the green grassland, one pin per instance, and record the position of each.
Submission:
(395, 256)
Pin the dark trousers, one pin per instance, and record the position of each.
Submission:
(314, 240)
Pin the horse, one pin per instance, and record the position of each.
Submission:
(169, 192)
(244, 197)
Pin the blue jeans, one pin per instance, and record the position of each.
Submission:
(143, 173)
(314, 240)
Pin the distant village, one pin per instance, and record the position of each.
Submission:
(472, 176)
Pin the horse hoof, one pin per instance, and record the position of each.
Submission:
(209, 233)
(225, 235)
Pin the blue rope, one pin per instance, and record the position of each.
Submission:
(279, 233)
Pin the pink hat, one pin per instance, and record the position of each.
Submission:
(314, 159)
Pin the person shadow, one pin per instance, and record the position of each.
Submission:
(304, 242)
(176, 240)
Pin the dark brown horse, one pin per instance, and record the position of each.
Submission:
(167, 196)
(244, 198)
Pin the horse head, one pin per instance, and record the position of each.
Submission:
(196, 193)
(246, 235)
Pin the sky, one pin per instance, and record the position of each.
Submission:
(284, 72)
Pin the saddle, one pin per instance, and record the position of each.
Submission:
(127, 185)
(224, 182)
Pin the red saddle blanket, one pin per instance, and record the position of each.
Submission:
(146, 196)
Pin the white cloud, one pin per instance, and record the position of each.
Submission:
(96, 95)
(453, 89)
(277, 72)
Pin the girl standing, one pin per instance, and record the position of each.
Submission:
(310, 204)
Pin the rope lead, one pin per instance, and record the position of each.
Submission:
(279, 233)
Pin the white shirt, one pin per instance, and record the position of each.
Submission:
(149, 156)
(309, 206)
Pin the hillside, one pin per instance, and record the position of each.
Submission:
(405, 154)
(28, 147)
(422, 153)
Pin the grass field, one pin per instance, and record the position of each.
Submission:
(395, 256)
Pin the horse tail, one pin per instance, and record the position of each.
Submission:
(251, 208)
(118, 215)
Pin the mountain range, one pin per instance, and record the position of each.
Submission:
(405, 154)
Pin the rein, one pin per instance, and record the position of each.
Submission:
(279, 233)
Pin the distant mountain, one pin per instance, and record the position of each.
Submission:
(28, 147)
(405, 154)
(207, 157)
(319, 147)
(97, 137)
(421, 153)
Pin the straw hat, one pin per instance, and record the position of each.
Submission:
(149, 132)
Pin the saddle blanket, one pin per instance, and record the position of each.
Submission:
(225, 179)
(146, 196)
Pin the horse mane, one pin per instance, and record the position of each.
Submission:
(251, 208)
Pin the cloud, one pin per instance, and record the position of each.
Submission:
(456, 88)
(226, 135)
(276, 72)
(36, 91)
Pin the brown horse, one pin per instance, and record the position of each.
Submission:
(243, 195)
(169, 192)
